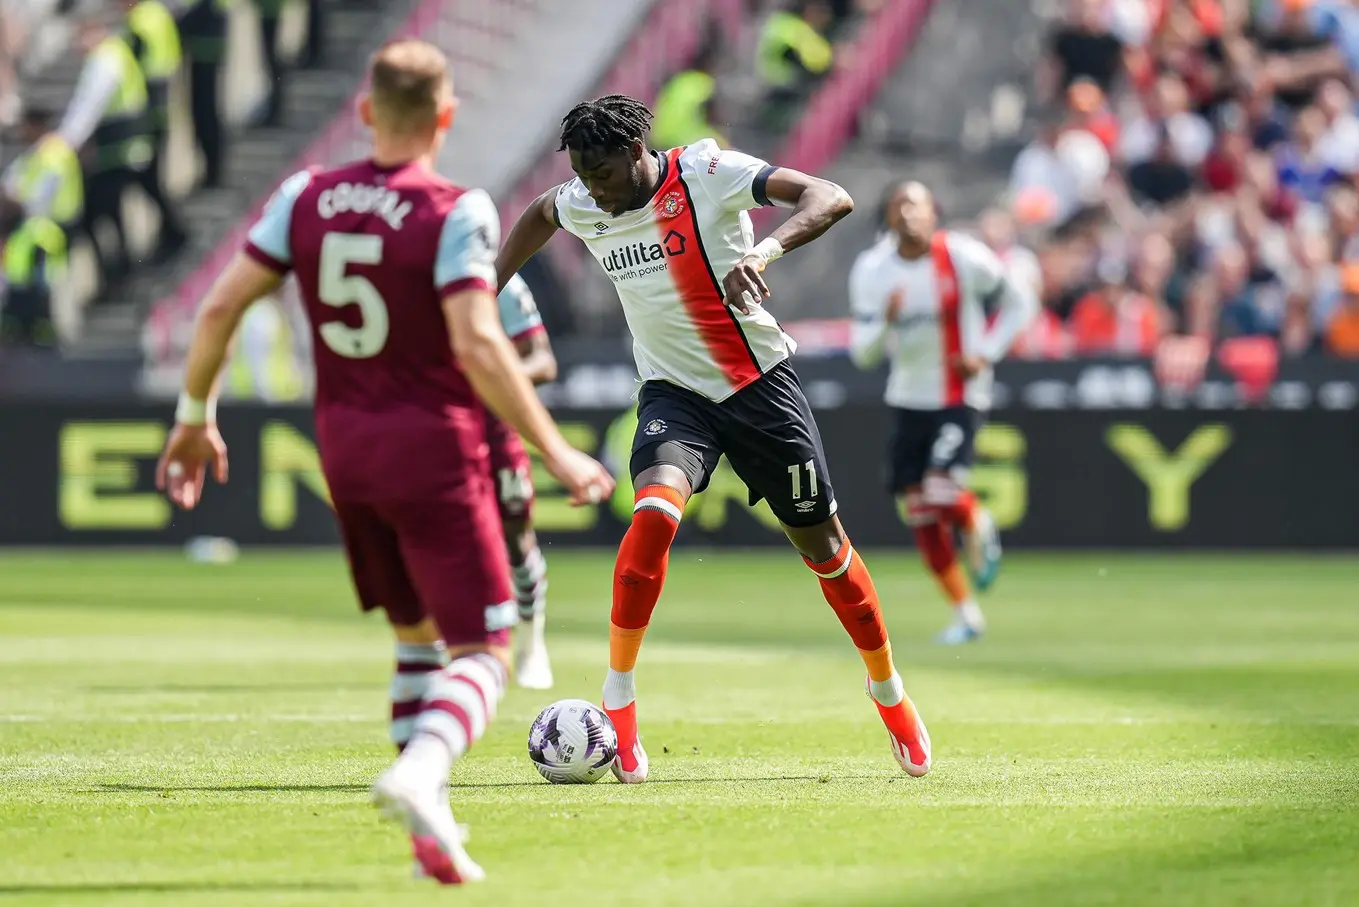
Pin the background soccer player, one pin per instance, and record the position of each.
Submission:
(923, 293)
(511, 469)
(716, 380)
(396, 270)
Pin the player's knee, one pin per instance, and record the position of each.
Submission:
(664, 475)
(940, 489)
(422, 632)
(818, 543)
(912, 509)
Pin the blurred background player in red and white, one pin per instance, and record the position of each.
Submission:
(921, 296)
(396, 269)
(512, 471)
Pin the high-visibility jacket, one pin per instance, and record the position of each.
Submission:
(120, 139)
(35, 253)
(789, 35)
(52, 159)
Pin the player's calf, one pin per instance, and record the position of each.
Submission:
(528, 575)
(934, 539)
(849, 590)
(639, 575)
(459, 702)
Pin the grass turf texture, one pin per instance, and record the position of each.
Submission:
(1177, 731)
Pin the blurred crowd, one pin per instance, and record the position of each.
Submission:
(78, 163)
(1191, 190)
(799, 43)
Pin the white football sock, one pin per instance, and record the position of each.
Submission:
(970, 614)
(461, 701)
(530, 585)
(619, 689)
(888, 692)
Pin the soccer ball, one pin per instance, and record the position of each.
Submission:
(572, 742)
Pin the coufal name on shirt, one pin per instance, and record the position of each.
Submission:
(358, 198)
(646, 258)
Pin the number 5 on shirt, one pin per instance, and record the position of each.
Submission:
(337, 287)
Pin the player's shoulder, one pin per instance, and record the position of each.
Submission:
(873, 259)
(697, 157)
(967, 249)
(574, 207)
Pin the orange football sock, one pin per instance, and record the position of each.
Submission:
(639, 572)
(935, 542)
(849, 591)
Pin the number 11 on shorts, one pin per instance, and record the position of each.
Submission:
(795, 472)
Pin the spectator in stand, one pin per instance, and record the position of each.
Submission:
(1338, 146)
(270, 12)
(1167, 109)
(1115, 320)
(204, 30)
(1154, 275)
(1297, 57)
(1266, 118)
(793, 54)
(685, 105)
(1161, 179)
(1088, 109)
(1081, 47)
(154, 39)
(1342, 332)
(1303, 170)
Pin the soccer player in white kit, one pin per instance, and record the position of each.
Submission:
(921, 294)
(671, 229)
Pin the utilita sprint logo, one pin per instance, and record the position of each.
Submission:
(640, 259)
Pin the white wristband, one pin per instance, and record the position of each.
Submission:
(190, 411)
(767, 250)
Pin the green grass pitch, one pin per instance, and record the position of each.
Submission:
(1134, 731)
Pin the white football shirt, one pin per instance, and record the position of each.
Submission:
(943, 315)
(667, 260)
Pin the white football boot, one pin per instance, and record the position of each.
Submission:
(532, 667)
(435, 835)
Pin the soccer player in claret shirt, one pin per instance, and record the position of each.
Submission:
(671, 229)
(922, 293)
(396, 268)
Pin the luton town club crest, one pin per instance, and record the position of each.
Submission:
(672, 204)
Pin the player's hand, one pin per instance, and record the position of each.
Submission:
(184, 463)
(970, 366)
(895, 303)
(744, 285)
(584, 478)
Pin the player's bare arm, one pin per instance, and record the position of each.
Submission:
(529, 234)
(492, 366)
(195, 442)
(536, 357)
(817, 205)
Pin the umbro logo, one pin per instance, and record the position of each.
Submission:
(601, 227)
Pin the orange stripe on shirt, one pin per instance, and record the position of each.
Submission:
(950, 320)
(697, 284)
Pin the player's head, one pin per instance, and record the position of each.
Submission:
(606, 139)
(410, 95)
(910, 211)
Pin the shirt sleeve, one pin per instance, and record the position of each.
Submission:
(736, 181)
(467, 245)
(869, 329)
(989, 280)
(518, 310)
(270, 240)
(98, 82)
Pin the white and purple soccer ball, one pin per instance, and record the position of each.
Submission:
(572, 742)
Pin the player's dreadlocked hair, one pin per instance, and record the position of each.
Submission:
(612, 123)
